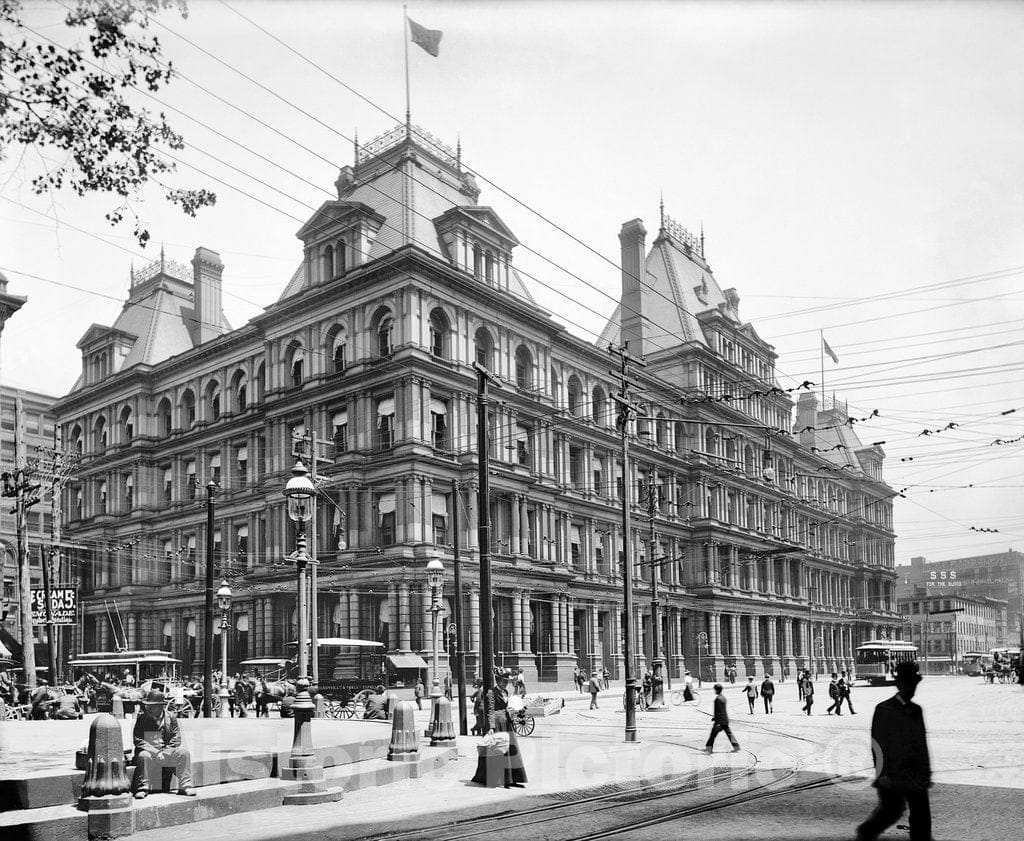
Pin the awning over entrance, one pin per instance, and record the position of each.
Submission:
(407, 661)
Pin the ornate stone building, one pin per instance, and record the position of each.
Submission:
(773, 540)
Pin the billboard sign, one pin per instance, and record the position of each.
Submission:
(63, 605)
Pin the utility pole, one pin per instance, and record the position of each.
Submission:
(56, 465)
(626, 410)
(657, 680)
(51, 643)
(460, 631)
(18, 487)
(483, 529)
(314, 642)
(208, 648)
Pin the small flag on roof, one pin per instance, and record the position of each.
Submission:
(829, 350)
(429, 39)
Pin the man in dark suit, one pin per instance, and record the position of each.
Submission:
(904, 771)
(721, 722)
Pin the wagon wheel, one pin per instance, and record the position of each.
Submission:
(347, 709)
(185, 710)
(523, 724)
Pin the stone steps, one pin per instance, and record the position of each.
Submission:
(66, 823)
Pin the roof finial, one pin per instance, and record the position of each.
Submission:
(458, 151)
(161, 257)
(661, 207)
(355, 147)
(132, 284)
(701, 237)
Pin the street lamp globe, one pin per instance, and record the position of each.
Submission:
(435, 573)
(300, 492)
(224, 597)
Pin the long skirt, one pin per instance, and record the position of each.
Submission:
(502, 769)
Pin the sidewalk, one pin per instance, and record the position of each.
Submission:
(571, 753)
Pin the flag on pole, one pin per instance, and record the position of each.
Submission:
(429, 39)
(829, 351)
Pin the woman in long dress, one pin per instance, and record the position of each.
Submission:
(498, 721)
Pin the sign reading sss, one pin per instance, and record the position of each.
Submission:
(63, 605)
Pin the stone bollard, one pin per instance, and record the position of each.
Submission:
(320, 705)
(117, 706)
(405, 744)
(443, 733)
(105, 790)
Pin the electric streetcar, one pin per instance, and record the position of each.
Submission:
(876, 659)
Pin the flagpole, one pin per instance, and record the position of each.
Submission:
(821, 342)
(405, 37)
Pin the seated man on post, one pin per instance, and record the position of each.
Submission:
(157, 737)
(377, 704)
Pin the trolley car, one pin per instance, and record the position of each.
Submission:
(974, 663)
(876, 660)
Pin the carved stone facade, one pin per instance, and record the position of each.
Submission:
(406, 282)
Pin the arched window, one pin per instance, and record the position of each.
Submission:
(260, 384)
(439, 333)
(127, 424)
(524, 368)
(213, 401)
(101, 498)
(296, 363)
(76, 438)
(598, 406)
(483, 348)
(100, 434)
(489, 267)
(240, 390)
(163, 413)
(575, 397)
(340, 261)
(327, 264)
(659, 430)
(336, 348)
(188, 409)
(478, 264)
(556, 388)
(385, 329)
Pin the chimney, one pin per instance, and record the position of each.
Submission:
(633, 252)
(206, 278)
(806, 416)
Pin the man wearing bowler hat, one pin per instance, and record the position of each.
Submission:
(158, 745)
(904, 771)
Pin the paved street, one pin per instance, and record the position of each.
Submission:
(973, 729)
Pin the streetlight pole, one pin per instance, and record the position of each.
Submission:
(702, 642)
(224, 603)
(435, 579)
(211, 487)
(657, 681)
(302, 765)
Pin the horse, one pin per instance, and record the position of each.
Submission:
(47, 702)
(272, 693)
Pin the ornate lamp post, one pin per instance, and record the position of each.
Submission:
(702, 642)
(303, 766)
(224, 603)
(435, 580)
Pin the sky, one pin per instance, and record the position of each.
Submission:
(856, 169)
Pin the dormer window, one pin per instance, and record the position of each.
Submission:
(327, 263)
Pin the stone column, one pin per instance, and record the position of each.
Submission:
(524, 526)
(353, 614)
(404, 619)
(755, 635)
(734, 632)
(517, 621)
(514, 527)
(474, 619)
